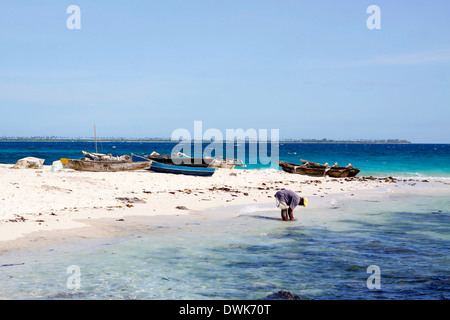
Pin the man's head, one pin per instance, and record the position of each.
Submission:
(303, 202)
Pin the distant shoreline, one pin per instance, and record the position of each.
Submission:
(162, 140)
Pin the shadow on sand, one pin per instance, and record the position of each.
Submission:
(267, 218)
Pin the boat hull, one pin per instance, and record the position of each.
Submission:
(197, 162)
(193, 171)
(104, 166)
(186, 162)
(181, 159)
(177, 169)
(319, 170)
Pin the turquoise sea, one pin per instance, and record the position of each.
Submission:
(410, 160)
(248, 253)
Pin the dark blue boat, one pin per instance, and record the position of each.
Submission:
(166, 168)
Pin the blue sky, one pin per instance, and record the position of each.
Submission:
(311, 69)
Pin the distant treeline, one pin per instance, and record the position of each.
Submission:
(164, 139)
(87, 139)
(387, 141)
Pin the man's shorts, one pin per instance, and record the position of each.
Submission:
(282, 205)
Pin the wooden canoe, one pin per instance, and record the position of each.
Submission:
(182, 159)
(225, 163)
(318, 170)
(104, 157)
(176, 169)
(104, 166)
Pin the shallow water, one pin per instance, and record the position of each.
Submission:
(249, 253)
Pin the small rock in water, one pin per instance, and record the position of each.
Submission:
(284, 295)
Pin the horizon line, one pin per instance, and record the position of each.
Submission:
(237, 139)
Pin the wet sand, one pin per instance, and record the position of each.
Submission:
(39, 207)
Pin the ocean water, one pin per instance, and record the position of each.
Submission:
(399, 160)
(249, 253)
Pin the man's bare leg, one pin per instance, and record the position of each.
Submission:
(284, 215)
(291, 214)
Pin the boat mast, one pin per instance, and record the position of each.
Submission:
(95, 133)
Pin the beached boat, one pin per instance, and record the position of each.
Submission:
(224, 163)
(193, 171)
(319, 170)
(104, 166)
(176, 169)
(181, 159)
(104, 157)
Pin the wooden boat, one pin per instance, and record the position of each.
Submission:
(176, 169)
(224, 163)
(181, 159)
(104, 157)
(194, 171)
(319, 170)
(104, 166)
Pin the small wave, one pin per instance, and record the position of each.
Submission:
(333, 202)
(430, 178)
(254, 208)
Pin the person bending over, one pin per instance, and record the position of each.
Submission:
(287, 200)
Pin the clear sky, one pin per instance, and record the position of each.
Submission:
(312, 69)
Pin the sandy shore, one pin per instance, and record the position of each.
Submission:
(40, 205)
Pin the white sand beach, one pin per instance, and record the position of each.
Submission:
(38, 205)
